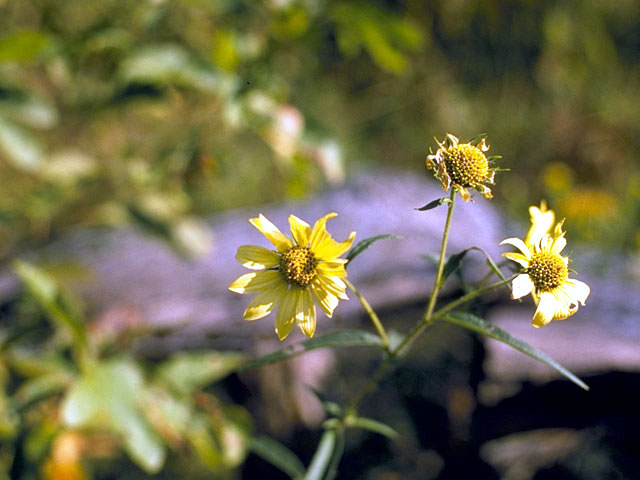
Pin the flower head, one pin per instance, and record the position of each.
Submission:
(297, 272)
(462, 165)
(545, 272)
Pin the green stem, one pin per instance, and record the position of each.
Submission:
(443, 252)
(372, 315)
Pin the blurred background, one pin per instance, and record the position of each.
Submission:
(159, 114)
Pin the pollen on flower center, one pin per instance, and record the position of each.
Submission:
(298, 266)
(466, 165)
(547, 270)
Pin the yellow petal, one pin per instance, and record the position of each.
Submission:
(545, 311)
(521, 286)
(519, 244)
(257, 258)
(286, 314)
(327, 300)
(518, 258)
(306, 316)
(256, 281)
(329, 249)
(576, 290)
(265, 301)
(464, 193)
(541, 223)
(269, 230)
(319, 231)
(300, 230)
(333, 285)
(334, 268)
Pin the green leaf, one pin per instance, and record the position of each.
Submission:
(453, 263)
(322, 457)
(479, 325)
(167, 65)
(35, 389)
(373, 426)
(50, 297)
(106, 396)
(23, 46)
(278, 455)
(362, 245)
(21, 147)
(187, 372)
(342, 338)
(332, 408)
(434, 204)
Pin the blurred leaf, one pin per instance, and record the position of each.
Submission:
(434, 204)
(187, 372)
(35, 389)
(373, 426)
(362, 245)
(192, 236)
(23, 46)
(50, 298)
(167, 65)
(342, 338)
(332, 408)
(322, 456)
(33, 111)
(479, 325)
(205, 446)
(106, 397)
(224, 52)
(452, 264)
(21, 147)
(233, 435)
(9, 420)
(278, 455)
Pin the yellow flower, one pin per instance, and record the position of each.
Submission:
(546, 275)
(463, 165)
(296, 273)
(542, 220)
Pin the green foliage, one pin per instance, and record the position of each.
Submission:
(483, 327)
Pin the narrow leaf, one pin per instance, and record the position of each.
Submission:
(453, 263)
(278, 455)
(433, 204)
(336, 456)
(362, 245)
(373, 426)
(343, 338)
(322, 457)
(479, 325)
(50, 298)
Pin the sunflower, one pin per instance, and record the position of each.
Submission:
(546, 273)
(297, 272)
(462, 165)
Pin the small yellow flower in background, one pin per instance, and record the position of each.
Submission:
(462, 165)
(299, 271)
(546, 272)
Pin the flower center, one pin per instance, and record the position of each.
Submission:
(547, 271)
(466, 165)
(298, 266)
